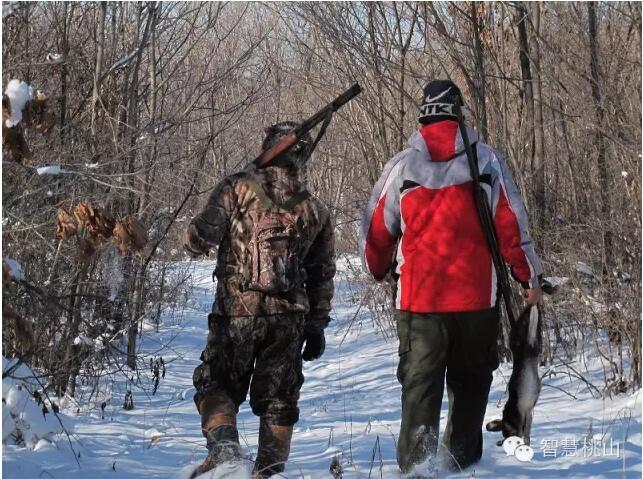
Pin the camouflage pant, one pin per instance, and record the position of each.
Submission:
(262, 354)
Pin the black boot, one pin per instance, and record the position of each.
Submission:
(223, 446)
(274, 449)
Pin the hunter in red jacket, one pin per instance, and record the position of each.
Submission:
(422, 227)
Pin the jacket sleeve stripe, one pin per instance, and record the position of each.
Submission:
(509, 239)
(381, 222)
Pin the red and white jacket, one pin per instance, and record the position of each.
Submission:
(422, 221)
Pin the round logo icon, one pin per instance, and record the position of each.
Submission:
(511, 443)
(524, 453)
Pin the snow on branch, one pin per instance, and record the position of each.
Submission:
(49, 170)
(123, 62)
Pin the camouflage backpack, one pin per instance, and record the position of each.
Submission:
(274, 244)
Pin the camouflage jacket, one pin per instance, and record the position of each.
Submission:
(225, 223)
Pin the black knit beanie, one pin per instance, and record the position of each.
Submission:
(438, 100)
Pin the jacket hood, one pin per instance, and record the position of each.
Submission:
(441, 141)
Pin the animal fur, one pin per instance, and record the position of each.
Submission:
(525, 341)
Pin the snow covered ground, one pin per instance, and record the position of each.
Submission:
(350, 405)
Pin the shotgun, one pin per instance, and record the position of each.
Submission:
(324, 115)
(486, 218)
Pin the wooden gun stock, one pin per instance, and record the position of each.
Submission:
(265, 157)
(284, 144)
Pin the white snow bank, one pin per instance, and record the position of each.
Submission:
(350, 401)
(44, 445)
(15, 270)
(24, 421)
(19, 93)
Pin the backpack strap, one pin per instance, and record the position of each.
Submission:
(263, 198)
(268, 204)
(294, 200)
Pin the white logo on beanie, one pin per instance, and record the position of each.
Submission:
(428, 98)
(431, 109)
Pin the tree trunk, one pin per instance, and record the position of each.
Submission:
(538, 160)
(63, 71)
(71, 366)
(603, 173)
(481, 100)
(132, 119)
(527, 91)
(98, 67)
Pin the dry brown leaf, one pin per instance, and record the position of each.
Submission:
(37, 115)
(130, 235)
(97, 223)
(66, 224)
(83, 213)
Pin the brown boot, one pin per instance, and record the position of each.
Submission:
(274, 448)
(219, 426)
(223, 446)
(216, 410)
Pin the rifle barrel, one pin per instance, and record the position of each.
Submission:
(347, 96)
(293, 137)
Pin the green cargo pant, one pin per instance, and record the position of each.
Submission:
(464, 346)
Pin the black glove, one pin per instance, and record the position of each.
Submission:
(315, 345)
(192, 242)
(315, 339)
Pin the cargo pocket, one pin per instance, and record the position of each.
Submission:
(201, 377)
(404, 346)
(211, 355)
(403, 333)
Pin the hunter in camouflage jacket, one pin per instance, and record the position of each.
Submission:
(227, 222)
